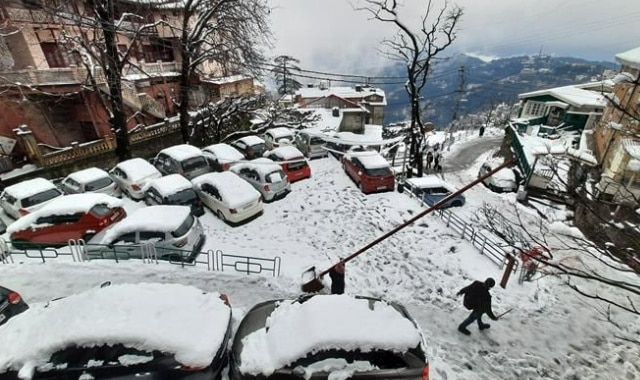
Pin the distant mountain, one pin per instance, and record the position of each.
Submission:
(486, 82)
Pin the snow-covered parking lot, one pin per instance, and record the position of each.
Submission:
(550, 334)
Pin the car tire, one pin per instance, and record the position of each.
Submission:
(221, 216)
(20, 244)
(456, 203)
(88, 237)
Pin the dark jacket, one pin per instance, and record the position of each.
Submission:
(478, 298)
(337, 279)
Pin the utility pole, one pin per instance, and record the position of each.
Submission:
(460, 92)
(284, 76)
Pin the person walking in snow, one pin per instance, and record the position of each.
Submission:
(437, 163)
(477, 299)
(429, 159)
(337, 278)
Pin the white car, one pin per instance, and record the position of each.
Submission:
(222, 156)
(230, 197)
(91, 180)
(183, 159)
(278, 136)
(133, 176)
(27, 196)
(502, 181)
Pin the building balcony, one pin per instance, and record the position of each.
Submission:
(49, 77)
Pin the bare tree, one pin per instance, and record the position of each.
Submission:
(417, 49)
(283, 74)
(227, 33)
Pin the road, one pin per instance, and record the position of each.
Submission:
(468, 152)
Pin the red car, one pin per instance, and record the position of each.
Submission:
(77, 216)
(292, 160)
(369, 170)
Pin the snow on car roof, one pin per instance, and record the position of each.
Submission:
(65, 205)
(262, 165)
(280, 131)
(224, 152)
(88, 175)
(287, 152)
(427, 181)
(182, 152)
(137, 168)
(370, 159)
(233, 189)
(504, 173)
(135, 315)
(165, 218)
(170, 184)
(321, 323)
(29, 187)
(251, 140)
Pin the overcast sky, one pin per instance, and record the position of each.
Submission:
(329, 35)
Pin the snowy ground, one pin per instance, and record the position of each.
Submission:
(550, 334)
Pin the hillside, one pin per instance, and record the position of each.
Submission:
(499, 80)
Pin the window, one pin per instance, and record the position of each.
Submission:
(128, 238)
(194, 163)
(53, 54)
(184, 227)
(8, 198)
(151, 236)
(535, 109)
(60, 219)
(184, 197)
(98, 184)
(40, 197)
(72, 183)
(100, 210)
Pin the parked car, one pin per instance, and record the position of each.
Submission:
(311, 145)
(431, 189)
(70, 217)
(172, 232)
(11, 304)
(230, 197)
(28, 196)
(335, 147)
(173, 189)
(121, 332)
(278, 136)
(369, 170)
(251, 146)
(133, 176)
(183, 159)
(222, 156)
(502, 181)
(314, 337)
(3, 226)
(292, 161)
(265, 176)
(91, 180)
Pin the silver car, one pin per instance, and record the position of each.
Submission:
(91, 180)
(183, 159)
(312, 145)
(163, 232)
(265, 176)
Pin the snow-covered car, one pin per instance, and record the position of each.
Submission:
(28, 196)
(11, 304)
(230, 197)
(133, 176)
(90, 180)
(312, 145)
(430, 189)
(251, 146)
(183, 159)
(279, 136)
(265, 176)
(120, 332)
(292, 161)
(369, 170)
(163, 232)
(222, 156)
(70, 217)
(328, 336)
(173, 189)
(502, 181)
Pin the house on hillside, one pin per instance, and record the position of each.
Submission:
(617, 145)
(46, 81)
(349, 108)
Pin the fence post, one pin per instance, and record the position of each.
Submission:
(484, 241)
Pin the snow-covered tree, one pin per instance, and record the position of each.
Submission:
(283, 74)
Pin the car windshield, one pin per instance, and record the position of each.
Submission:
(194, 163)
(317, 141)
(40, 197)
(98, 184)
(275, 176)
(97, 356)
(100, 210)
(378, 172)
(184, 227)
(297, 165)
(258, 147)
(378, 358)
(183, 197)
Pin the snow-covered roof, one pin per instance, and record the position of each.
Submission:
(350, 138)
(573, 95)
(630, 58)
(286, 152)
(343, 92)
(138, 168)
(233, 189)
(326, 121)
(29, 187)
(182, 152)
(135, 315)
(170, 184)
(223, 152)
(251, 140)
(65, 205)
(370, 159)
(88, 175)
(325, 322)
(226, 80)
(262, 165)
(165, 218)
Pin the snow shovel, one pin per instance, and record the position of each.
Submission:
(315, 284)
